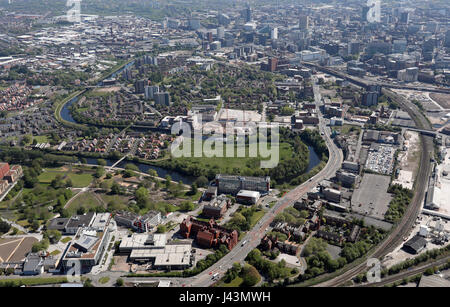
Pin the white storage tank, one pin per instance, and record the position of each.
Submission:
(423, 231)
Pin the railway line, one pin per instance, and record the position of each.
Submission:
(409, 273)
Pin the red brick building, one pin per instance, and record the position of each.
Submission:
(4, 168)
(208, 234)
(217, 207)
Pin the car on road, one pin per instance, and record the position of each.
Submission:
(243, 243)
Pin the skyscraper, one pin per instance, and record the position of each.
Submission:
(248, 14)
(220, 32)
(304, 22)
(274, 33)
(162, 98)
(447, 39)
(404, 17)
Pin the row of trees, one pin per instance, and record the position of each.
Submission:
(397, 207)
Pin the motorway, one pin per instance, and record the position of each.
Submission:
(405, 225)
(254, 236)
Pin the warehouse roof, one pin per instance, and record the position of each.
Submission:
(416, 243)
(247, 193)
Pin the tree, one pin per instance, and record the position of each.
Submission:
(201, 181)
(157, 185)
(250, 276)
(161, 229)
(131, 167)
(26, 139)
(115, 188)
(4, 227)
(35, 225)
(81, 210)
(40, 246)
(99, 172)
(168, 182)
(57, 182)
(152, 173)
(178, 189)
(141, 195)
(194, 189)
(69, 183)
(119, 282)
(53, 236)
(104, 185)
(88, 283)
(101, 162)
(187, 206)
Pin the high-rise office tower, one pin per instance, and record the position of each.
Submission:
(220, 32)
(248, 14)
(447, 39)
(404, 17)
(304, 22)
(274, 33)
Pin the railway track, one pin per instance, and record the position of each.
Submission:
(409, 273)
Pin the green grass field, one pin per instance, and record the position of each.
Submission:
(66, 239)
(122, 200)
(225, 164)
(78, 180)
(347, 129)
(41, 138)
(47, 177)
(256, 217)
(85, 200)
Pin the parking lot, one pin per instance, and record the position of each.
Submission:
(381, 159)
(15, 249)
(371, 198)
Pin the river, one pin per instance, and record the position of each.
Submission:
(65, 111)
(314, 160)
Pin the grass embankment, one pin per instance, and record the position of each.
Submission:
(18, 282)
